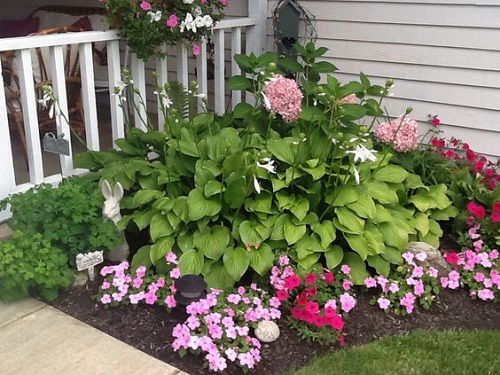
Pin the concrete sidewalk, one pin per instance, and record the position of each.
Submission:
(38, 339)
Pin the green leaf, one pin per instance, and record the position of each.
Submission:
(213, 187)
(391, 173)
(349, 219)
(191, 262)
(423, 202)
(144, 196)
(262, 259)
(358, 268)
(290, 64)
(244, 63)
(316, 172)
(160, 227)
(421, 223)
(323, 67)
(143, 218)
(280, 148)
(342, 195)
(392, 255)
(185, 242)
(334, 256)
(293, 232)
(260, 203)
(326, 231)
(249, 235)
(242, 110)
(239, 83)
(278, 232)
(218, 277)
(394, 235)
(363, 206)
(187, 144)
(382, 214)
(358, 243)
(354, 111)
(200, 207)
(414, 181)
(445, 214)
(300, 208)
(236, 262)
(380, 264)
(236, 191)
(141, 258)
(309, 261)
(312, 114)
(160, 248)
(382, 192)
(212, 241)
(266, 59)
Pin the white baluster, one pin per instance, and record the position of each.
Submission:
(114, 77)
(30, 117)
(59, 86)
(182, 65)
(7, 182)
(162, 73)
(138, 75)
(235, 69)
(202, 74)
(88, 96)
(219, 79)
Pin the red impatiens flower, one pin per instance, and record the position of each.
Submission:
(495, 217)
(450, 154)
(439, 143)
(282, 295)
(311, 278)
(311, 292)
(496, 207)
(292, 282)
(312, 307)
(477, 210)
(330, 278)
(302, 299)
(478, 166)
(452, 258)
(470, 155)
(435, 121)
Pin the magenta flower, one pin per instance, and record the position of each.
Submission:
(172, 21)
(146, 5)
(196, 49)
(170, 302)
(346, 285)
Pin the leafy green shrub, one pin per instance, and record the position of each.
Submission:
(228, 193)
(69, 216)
(30, 263)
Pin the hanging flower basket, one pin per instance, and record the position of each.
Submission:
(146, 25)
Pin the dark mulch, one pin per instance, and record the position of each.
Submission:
(148, 328)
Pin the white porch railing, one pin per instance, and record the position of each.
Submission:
(253, 27)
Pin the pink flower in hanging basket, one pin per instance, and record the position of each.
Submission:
(196, 49)
(146, 5)
(172, 21)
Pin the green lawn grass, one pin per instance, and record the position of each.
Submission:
(420, 353)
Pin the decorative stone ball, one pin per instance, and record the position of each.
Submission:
(267, 331)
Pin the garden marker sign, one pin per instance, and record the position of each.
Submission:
(88, 261)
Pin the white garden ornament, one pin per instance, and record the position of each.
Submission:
(267, 331)
(111, 211)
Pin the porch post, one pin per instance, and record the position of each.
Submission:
(257, 35)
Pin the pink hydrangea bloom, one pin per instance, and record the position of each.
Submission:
(285, 97)
(349, 99)
(401, 134)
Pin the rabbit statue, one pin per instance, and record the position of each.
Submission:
(111, 211)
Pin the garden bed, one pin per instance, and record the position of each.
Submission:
(149, 328)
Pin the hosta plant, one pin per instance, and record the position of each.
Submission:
(295, 173)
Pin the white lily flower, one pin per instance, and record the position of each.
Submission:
(361, 153)
(256, 185)
(268, 165)
(267, 103)
(356, 176)
(45, 99)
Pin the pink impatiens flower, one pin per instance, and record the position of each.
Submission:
(284, 97)
(345, 269)
(347, 302)
(485, 294)
(196, 49)
(383, 303)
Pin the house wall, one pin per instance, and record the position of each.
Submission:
(444, 56)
